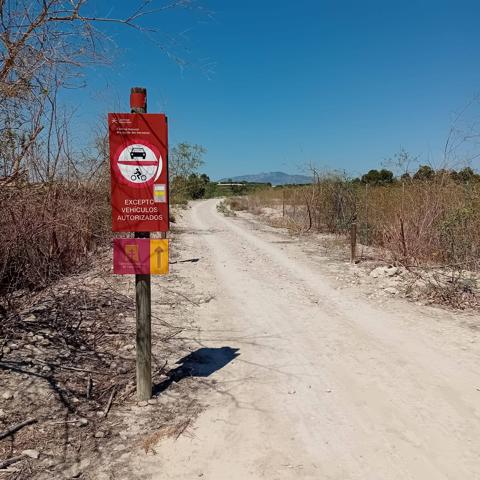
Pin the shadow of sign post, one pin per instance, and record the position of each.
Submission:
(200, 363)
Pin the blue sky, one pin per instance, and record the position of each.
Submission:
(276, 85)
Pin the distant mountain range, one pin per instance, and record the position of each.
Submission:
(275, 178)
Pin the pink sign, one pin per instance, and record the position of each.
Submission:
(131, 256)
(140, 256)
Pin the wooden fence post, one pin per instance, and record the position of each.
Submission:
(143, 292)
(353, 241)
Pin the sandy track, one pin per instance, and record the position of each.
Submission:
(327, 385)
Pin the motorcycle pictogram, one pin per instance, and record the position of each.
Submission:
(138, 176)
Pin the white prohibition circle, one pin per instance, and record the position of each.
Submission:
(138, 164)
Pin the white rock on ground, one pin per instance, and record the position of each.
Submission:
(7, 395)
(31, 453)
(392, 290)
(384, 272)
(378, 272)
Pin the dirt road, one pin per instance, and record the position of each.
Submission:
(325, 383)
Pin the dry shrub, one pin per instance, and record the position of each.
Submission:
(48, 230)
(238, 203)
(424, 222)
(453, 287)
(435, 222)
(224, 209)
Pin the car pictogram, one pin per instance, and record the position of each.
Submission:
(137, 152)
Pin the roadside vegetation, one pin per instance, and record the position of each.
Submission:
(55, 194)
(67, 361)
(188, 183)
(427, 221)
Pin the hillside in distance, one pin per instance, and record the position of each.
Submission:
(275, 178)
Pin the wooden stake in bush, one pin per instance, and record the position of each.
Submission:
(366, 214)
(404, 242)
(353, 241)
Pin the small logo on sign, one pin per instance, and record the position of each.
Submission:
(131, 253)
(160, 193)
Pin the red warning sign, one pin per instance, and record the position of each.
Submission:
(139, 171)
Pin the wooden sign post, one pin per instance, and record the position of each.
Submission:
(143, 292)
(139, 173)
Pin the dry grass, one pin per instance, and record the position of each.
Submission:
(415, 222)
(48, 230)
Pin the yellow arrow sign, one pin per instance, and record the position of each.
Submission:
(159, 252)
(158, 256)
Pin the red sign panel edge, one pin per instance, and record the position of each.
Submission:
(140, 200)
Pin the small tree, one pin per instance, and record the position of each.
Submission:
(184, 161)
(424, 172)
(375, 177)
(467, 175)
(196, 186)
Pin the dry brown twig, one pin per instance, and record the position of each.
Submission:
(15, 428)
(109, 403)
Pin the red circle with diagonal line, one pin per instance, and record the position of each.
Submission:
(138, 164)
